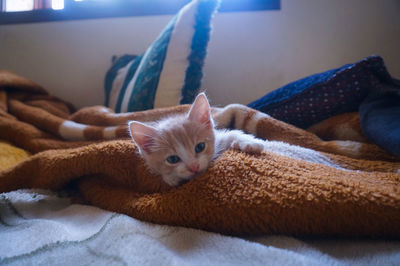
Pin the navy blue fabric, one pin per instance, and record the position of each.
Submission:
(320, 96)
(380, 117)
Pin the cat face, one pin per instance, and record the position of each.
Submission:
(179, 147)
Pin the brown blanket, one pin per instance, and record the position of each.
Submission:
(341, 188)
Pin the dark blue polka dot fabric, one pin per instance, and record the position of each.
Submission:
(320, 96)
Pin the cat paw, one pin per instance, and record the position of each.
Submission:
(254, 147)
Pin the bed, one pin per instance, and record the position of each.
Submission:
(41, 227)
(92, 200)
(325, 191)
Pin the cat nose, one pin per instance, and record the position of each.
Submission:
(194, 168)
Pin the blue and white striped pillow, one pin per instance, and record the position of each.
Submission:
(170, 71)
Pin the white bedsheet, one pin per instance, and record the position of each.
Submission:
(39, 228)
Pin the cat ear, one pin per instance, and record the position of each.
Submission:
(200, 110)
(143, 135)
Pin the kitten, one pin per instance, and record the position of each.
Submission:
(182, 146)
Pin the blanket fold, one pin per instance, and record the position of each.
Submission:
(300, 185)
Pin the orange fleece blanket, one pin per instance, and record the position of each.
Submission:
(300, 185)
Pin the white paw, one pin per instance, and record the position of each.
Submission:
(254, 146)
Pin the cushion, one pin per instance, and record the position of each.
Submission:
(320, 96)
(170, 71)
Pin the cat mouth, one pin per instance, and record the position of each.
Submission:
(185, 180)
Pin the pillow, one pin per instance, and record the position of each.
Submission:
(320, 96)
(170, 71)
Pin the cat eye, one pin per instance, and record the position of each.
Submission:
(200, 147)
(173, 159)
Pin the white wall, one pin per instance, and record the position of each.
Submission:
(249, 52)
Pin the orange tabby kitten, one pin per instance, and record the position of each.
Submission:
(182, 146)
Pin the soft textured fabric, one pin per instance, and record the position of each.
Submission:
(320, 96)
(39, 228)
(330, 188)
(10, 155)
(380, 118)
(171, 69)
